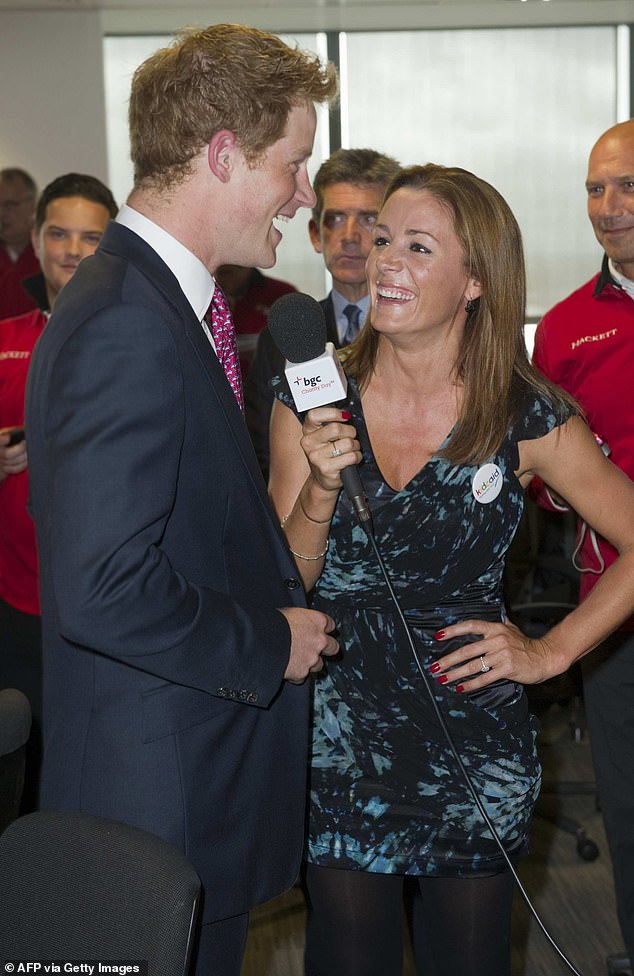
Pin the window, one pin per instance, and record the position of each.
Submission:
(521, 107)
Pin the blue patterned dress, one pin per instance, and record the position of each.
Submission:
(385, 791)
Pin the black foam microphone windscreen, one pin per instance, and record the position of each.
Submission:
(298, 327)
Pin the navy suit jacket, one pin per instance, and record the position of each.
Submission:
(258, 397)
(162, 566)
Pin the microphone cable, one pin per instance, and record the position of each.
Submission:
(369, 531)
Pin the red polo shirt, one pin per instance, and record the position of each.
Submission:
(586, 345)
(18, 554)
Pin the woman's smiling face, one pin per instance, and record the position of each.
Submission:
(416, 272)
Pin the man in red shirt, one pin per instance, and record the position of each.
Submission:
(71, 216)
(18, 198)
(250, 295)
(586, 345)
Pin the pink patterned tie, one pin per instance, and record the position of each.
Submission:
(224, 336)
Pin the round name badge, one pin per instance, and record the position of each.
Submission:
(487, 483)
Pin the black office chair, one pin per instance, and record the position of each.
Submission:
(74, 886)
(15, 726)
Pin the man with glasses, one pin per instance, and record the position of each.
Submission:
(349, 187)
(18, 197)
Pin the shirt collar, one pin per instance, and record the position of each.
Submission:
(339, 303)
(625, 284)
(35, 286)
(192, 275)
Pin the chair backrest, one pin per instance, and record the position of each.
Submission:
(74, 886)
(15, 725)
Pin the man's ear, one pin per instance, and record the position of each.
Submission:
(221, 154)
(35, 242)
(315, 236)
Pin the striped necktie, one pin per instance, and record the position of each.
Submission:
(224, 335)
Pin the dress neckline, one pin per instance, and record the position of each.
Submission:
(369, 457)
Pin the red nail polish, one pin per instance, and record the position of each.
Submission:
(459, 687)
(443, 679)
(434, 667)
(345, 415)
(439, 635)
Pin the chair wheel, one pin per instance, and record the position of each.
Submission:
(587, 849)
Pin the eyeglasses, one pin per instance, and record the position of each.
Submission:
(13, 204)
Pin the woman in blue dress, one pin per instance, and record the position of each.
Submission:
(448, 422)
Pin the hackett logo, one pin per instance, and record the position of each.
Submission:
(15, 354)
(599, 337)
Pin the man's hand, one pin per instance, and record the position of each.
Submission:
(310, 640)
(13, 458)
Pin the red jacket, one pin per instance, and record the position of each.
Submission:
(585, 344)
(18, 554)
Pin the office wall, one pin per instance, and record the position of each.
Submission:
(52, 116)
(52, 119)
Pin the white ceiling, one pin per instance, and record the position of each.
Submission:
(23, 5)
(601, 8)
(154, 16)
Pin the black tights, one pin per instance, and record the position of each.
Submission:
(460, 926)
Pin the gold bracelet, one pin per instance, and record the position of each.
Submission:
(306, 515)
(311, 559)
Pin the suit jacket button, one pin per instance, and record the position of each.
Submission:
(292, 583)
(252, 698)
(222, 692)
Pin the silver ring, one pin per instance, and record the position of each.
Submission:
(335, 450)
(485, 667)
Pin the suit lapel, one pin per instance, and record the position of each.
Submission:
(236, 422)
(121, 241)
(332, 334)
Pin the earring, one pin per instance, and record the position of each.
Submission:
(471, 306)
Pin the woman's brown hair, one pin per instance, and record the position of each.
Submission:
(493, 365)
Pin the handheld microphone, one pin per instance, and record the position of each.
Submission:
(315, 377)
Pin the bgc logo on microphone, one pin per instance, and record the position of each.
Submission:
(317, 382)
(487, 483)
(310, 381)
